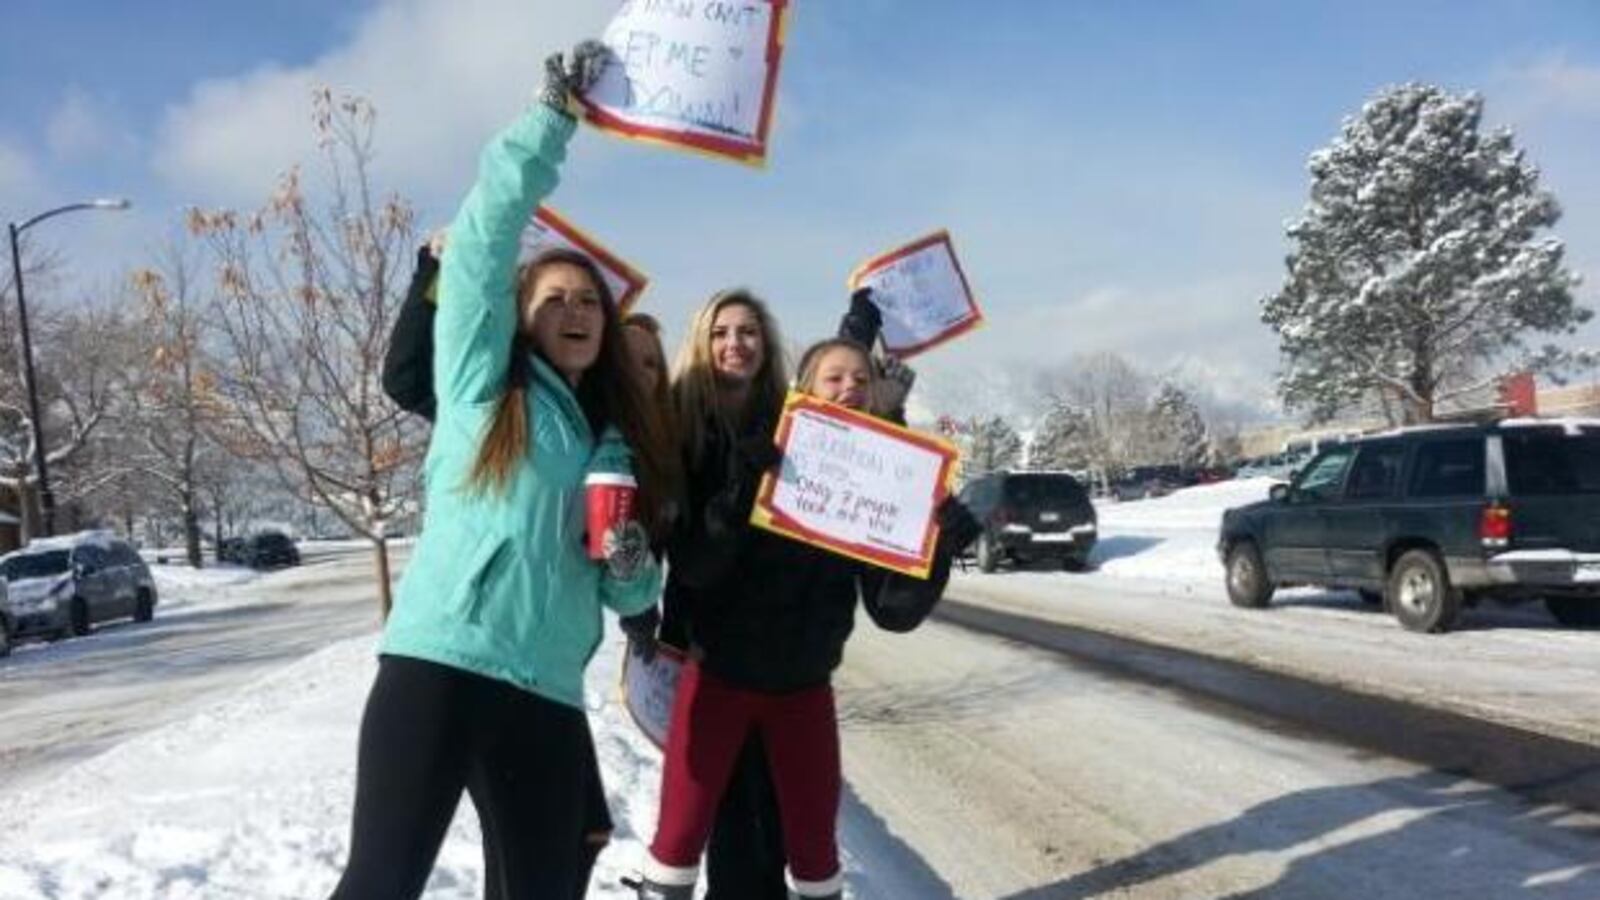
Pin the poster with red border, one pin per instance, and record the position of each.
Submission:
(856, 485)
(548, 228)
(650, 688)
(923, 292)
(697, 75)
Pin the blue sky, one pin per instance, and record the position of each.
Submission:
(1115, 175)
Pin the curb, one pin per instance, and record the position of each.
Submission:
(1523, 762)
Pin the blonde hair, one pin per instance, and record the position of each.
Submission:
(694, 377)
(811, 360)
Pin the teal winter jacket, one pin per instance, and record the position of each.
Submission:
(499, 583)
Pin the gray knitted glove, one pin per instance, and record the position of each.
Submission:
(626, 549)
(564, 79)
(894, 383)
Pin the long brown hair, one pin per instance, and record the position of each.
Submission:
(694, 377)
(608, 392)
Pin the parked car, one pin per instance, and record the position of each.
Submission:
(231, 550)
(1031, 516)
(269, 550)
(7, 626)
(1148, 482)
(66, 585)
(1429, 520)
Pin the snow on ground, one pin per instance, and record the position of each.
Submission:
(251, 798)
(1171, 538)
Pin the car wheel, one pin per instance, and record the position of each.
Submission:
(1575, 612)
(1371, 598)
(78, 617)
(1420, 593)
(1074, 563)
(5, 637)
(144, 608)
(1247, 577)
(988, 555)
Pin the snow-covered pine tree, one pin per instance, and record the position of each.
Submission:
(990, 446)
(1415, 273)
(1177, 430)
(1063, 440)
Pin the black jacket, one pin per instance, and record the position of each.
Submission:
(764, 612)
(408, 363)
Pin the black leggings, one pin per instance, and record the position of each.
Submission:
(431, 731)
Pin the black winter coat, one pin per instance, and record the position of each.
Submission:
(764, 612)
(408, 362)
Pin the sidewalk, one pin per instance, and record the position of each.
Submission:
(251, 798)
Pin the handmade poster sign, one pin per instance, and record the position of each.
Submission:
(648, 690)
(548, 229)
(923, 294)
(695, 74)
(856, 485)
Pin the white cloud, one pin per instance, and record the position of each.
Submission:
(1554, 86)
(83, 127)
(16, 171)
(442, 74)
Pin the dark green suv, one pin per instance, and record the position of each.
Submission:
(1430, 519)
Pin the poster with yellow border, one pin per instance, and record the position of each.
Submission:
(856, 485)
(548, 228)
(923, 293)
(697, 75)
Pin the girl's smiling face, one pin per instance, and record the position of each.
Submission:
(843, 376)
(738, 345)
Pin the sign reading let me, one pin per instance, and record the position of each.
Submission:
(695, 74)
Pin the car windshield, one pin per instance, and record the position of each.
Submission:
(1036, 490)
(1551, 461)
(275, 541)
(35, 565)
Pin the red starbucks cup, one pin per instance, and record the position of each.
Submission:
(609, 497)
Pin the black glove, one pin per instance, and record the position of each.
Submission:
(565, 79)
(958, 527)
(641, 631)
(864, 320)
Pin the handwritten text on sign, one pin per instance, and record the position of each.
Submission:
(694, 73)
(650, 689)
(923, 294)
(856, 485)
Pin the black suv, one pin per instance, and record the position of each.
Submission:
(269, 550)
(1028, 516)
(1427, 520)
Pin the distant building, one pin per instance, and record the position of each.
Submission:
(1578, 401)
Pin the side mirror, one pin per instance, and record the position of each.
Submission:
(1278, 493)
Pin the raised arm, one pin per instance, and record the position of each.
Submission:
(477, 313)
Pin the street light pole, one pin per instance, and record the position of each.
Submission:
(47, 500)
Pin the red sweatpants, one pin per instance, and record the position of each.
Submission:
(710, 721)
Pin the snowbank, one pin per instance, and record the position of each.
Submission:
(1171, 538)
(251, 798)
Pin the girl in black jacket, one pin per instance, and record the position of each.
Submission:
(766, 619)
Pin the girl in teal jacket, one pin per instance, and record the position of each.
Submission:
(480, 678)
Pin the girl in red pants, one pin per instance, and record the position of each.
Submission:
(767, 619)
